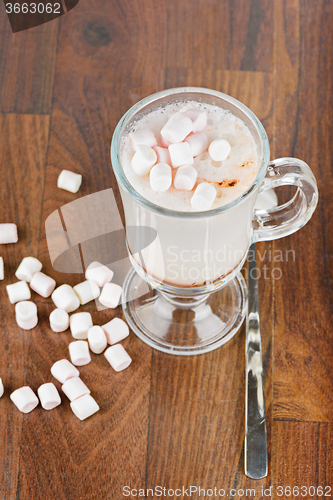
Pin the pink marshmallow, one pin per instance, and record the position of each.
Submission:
(163, 155)
(115, 330)
(8, 233)
(186, 107)
(164, 143)
(177, 128)
(198, 118)
(185, 178)
(42, 284)
(198, 143)
(143, 137)
(181, 154)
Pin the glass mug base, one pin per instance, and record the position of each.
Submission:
(184, 325)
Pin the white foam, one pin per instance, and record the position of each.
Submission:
(230, 178)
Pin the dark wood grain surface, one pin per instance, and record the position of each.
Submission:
(167, 420)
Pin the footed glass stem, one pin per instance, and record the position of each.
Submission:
(184, 325)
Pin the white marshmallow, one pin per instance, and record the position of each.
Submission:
(203, 197)
(198, 143)
(8, 233)
(74, 388)
(28, 267)
(180, 154)
(42, 284)
(99, 273)
(87, 291)
(24, 399)
(80, 324)
(163, 155)
(2, 269)
(84, 407)
(64, 297)
(177, 128)
(117, 357)
(110, 295)
(49, 396)
(143, 137)
(1, 388)
(160, 177)
(198, 117)
(164, 143)
(59, 320)
(26, 315)
(185, 178)
(63, 370)
(144, 158)
(79, 352)
(186, 107)
(116, 330)
(69, 181)
(18, 291)
(219, 149)
(97, 339)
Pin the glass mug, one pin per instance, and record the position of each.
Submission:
(195, 300)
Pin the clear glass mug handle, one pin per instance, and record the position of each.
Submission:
(288, 218)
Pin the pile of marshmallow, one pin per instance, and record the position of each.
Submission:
(182, 139)
(88, 337)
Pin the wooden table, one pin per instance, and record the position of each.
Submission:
(168, 421)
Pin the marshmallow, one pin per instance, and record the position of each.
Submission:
(115, 330)
(24, 399)
(18, 291)
(198, 143)
(219, 149)
(74, 388)
(1, 388)
(2, 269)
(163, 155)
(69, 181)
(110, 295)
(177, 128)
(42, 284)
(186, 107)
(28, 267)
(144, 137)
(26, 315)
(164, 143)
(97, 339)
(87, 291)
(117, 357)
(80, 324)
(79, 353)
(144, 158)
(64, 297)
(203, 197)
(59, 320)
(185, 178)
(99, 273)
(84, 407)
(8, 233)
(180, 154)
(49, 396)
(160, 177)
(198, 117)
(63, 370)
